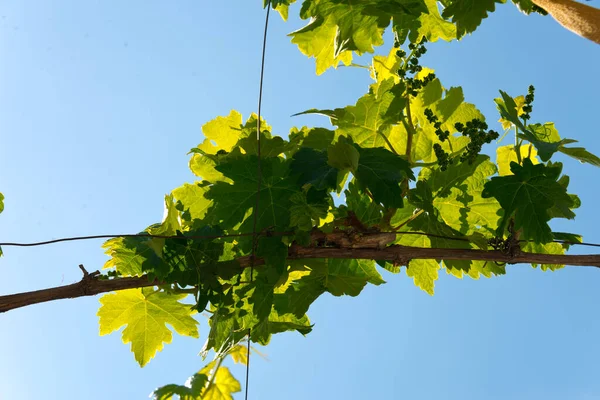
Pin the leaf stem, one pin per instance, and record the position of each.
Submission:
(518, 145)
(213, 375)
(389, 144)
(410, 128)
(411, 218)
(434, 163)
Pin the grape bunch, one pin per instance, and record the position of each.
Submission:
(411, 65)
(433, 119)
(443, 158)
(477, 131)
(528, 107)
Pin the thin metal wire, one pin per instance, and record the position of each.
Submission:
(146, 235)
(266, 233)
(259, 175)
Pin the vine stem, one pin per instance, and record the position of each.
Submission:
(434, 163)
(411, 218)
(213, 376)
(410, 129)
(90, 286)
(387, 141)
(517, 146)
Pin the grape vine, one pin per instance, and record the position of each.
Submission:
(408, 157)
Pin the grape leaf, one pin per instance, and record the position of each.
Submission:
(342, 155)
(340, 26)
(468, 14)
(528, 195)
(433, 26)
(312, 168)
(366, 121)
(145, 312)
(368, 212)
(191, 391)
(232, 202)
(528, 6)
(458, 196)
(544, 137)
(222, 385)
(281, 6)
(132, 256)
(239, 354)
(581, 154)
(424, 273)
(507, 154)
(277, 323)
(544, 248)
(316, 40)
(224, 132)
(380, 172)
(306, 210)
(337, 276)
(191, 201)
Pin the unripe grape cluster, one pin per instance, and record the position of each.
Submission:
(476, 130)
(411, 65)
(528, 107)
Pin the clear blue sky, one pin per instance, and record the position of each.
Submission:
(100, 102)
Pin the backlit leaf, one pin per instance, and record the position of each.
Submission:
(146, 313)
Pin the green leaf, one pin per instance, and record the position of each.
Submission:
(343, 155)
(223, 386)
(193, 257)
(278, 323)
(368, 212)
(314, 138)
(450, 108)
(281, 6)
(191, 201)
(527, 6)
(206, 384)
(132, 256)
(269, 146)
(429, 219)
(312, 168)
(424, 273)
(223, 131)
(505, 155)
(509, 110)
(528, 195)
(307, 209)
(233, 202)
(171, 223)
(433, 26)
(380, 172)
(337, 27)
(337, 276)
(544, 137)
(544, 248)
(581, 154)
(145, 313)
(468, 14)
(367, 121)
(316, 40)
(191, 391)
(457, 196)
